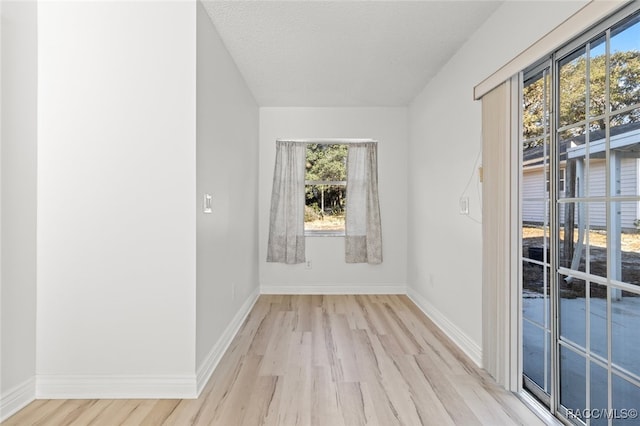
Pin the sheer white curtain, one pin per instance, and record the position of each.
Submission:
(363, 240)
(286, 225)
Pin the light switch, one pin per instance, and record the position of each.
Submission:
(207, 203)
(464, 205)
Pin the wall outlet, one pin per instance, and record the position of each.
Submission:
(308, 265)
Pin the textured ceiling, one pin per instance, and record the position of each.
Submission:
(343, 53)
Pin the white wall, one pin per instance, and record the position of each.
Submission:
(329, 271)
(227, 168)
(116, 190)
(18, 201)
(445, 248)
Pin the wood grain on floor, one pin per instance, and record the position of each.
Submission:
(320, 361)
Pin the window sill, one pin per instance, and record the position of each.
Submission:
(324, 233)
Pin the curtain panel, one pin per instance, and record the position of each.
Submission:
(286, 224)
(363, 239)
(498, 251)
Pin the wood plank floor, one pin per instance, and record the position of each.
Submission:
(321, 361)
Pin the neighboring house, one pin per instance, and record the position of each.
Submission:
(535, 182)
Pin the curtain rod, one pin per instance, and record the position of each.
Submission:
(335, 141)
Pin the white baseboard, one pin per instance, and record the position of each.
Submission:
(459, 337)
(334, 289)
(17, 398)
(54, 386)
(51, 386)
(205, 370)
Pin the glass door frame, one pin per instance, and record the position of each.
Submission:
(552, 64)
(548, 261)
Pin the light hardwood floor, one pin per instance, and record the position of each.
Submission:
(325, 361)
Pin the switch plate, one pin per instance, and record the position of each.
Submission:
(207, 203)
(464, 205)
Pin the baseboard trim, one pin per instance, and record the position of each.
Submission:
(48, 386)
(208, 366)
(17, 398)
(334, 289)
(54, 386)
(459, 337)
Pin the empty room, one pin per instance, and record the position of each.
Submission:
(320, 212)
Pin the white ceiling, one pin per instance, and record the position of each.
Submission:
(343, 53)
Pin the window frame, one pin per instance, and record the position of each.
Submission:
(557, 180)
(318, 232)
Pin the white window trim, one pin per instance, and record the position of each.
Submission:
(329, 141)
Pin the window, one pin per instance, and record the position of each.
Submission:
(309, 198)
(325, 189)
(561, 178)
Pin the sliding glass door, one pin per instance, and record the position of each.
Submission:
(580, 221)
(535, 228)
